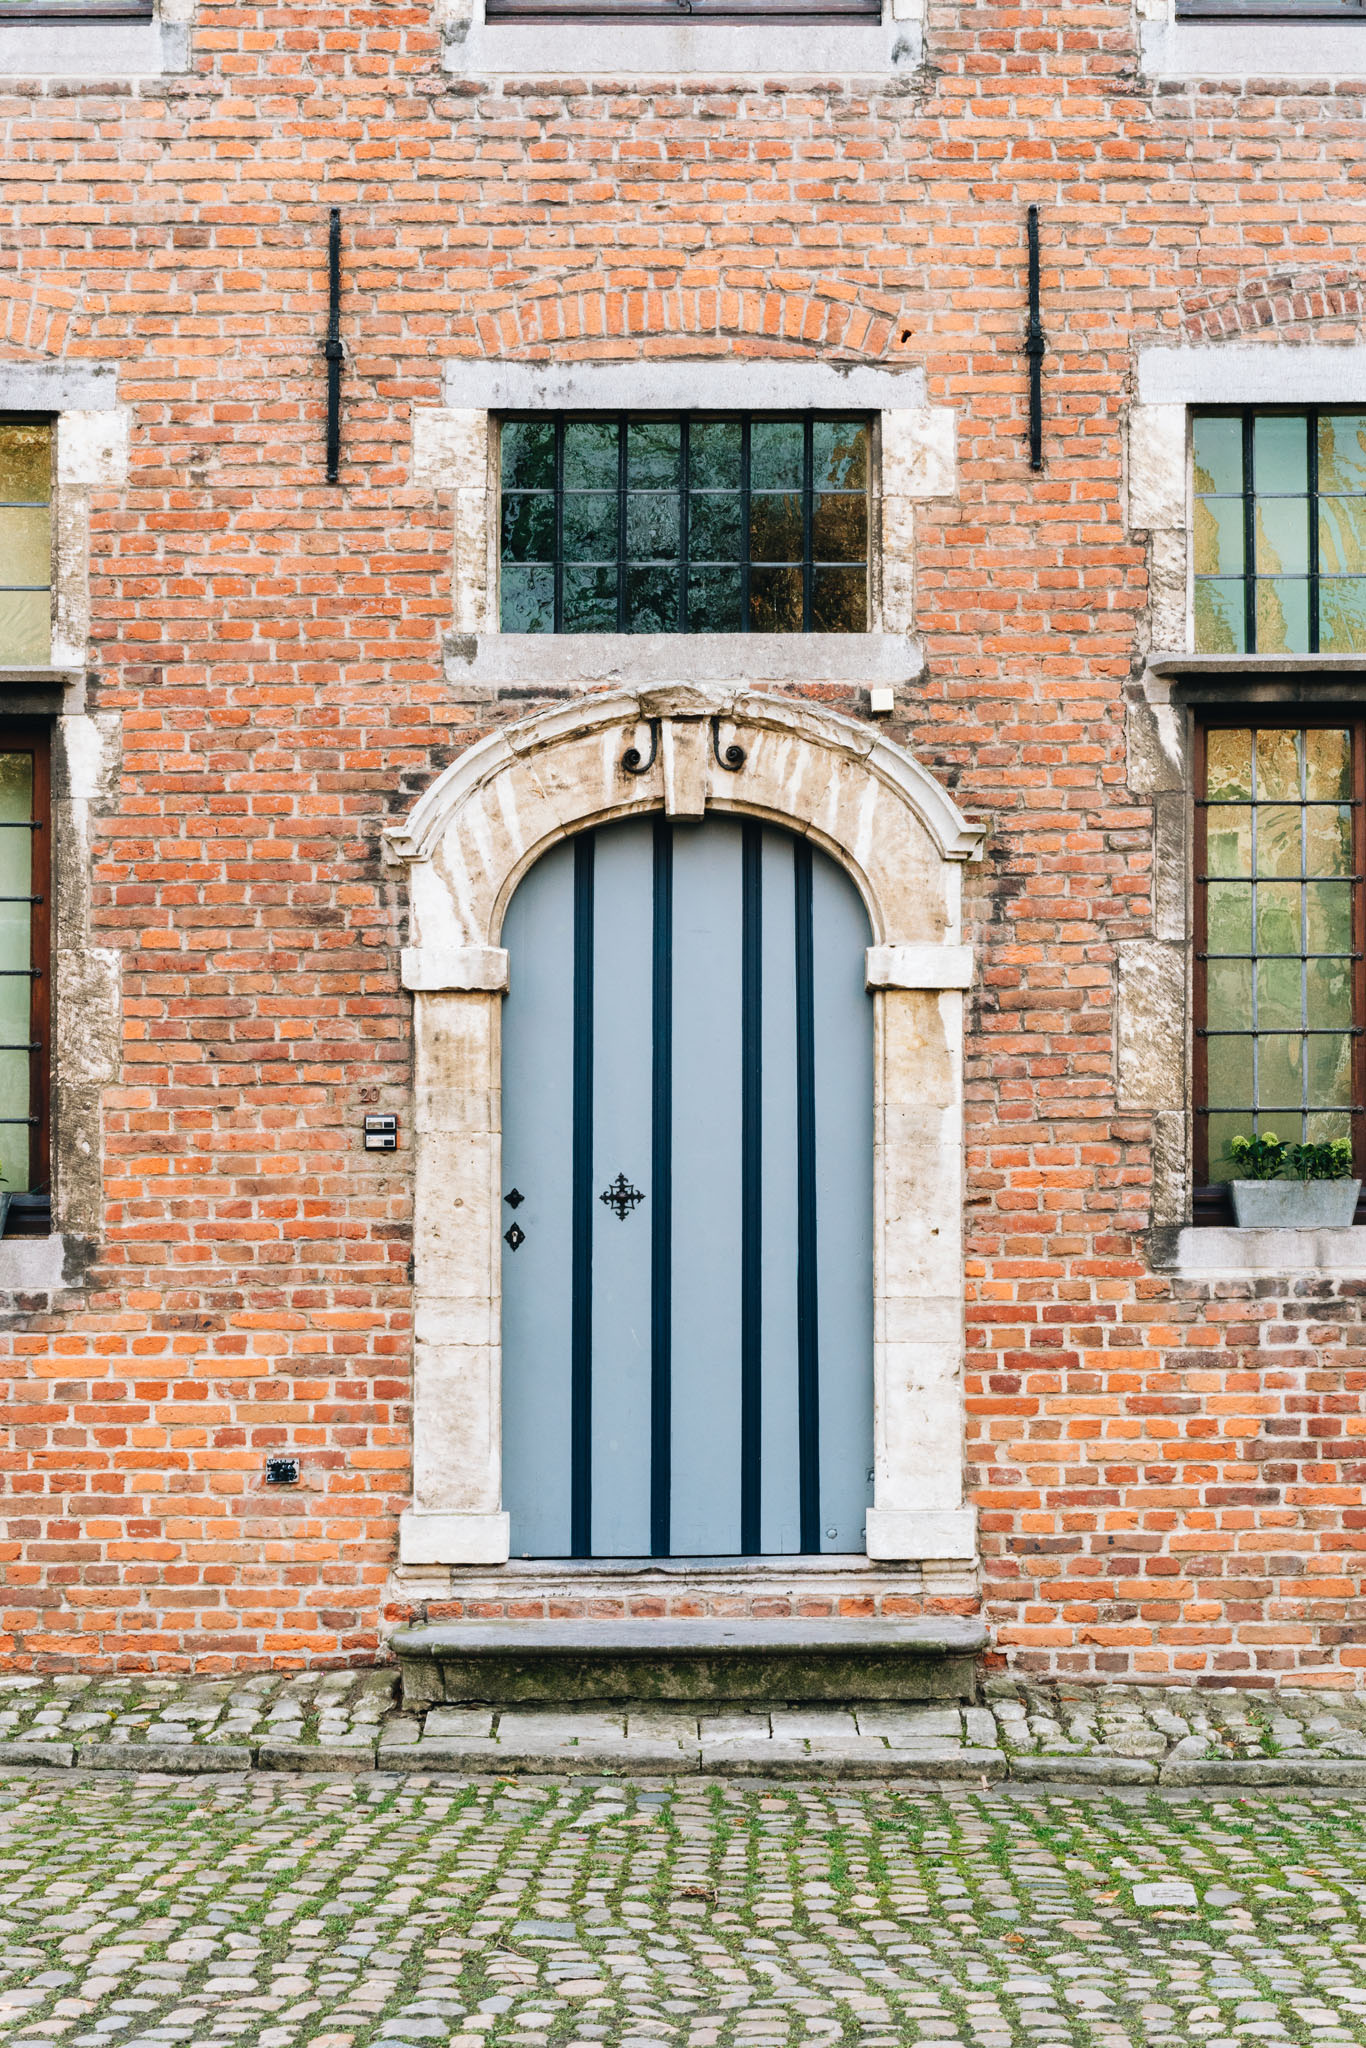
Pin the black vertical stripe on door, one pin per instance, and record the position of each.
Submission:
(808, 1343)
(581, 1241)
(661, 1192)
(751, 1184)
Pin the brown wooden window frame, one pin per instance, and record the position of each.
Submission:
(1211, 1201)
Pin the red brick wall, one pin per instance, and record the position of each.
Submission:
(1170, 1477)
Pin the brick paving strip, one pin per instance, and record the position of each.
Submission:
(392, 1909)
(354, 1721)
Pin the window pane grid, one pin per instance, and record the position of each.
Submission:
(25, 543)
(684, 524)
(1280, 532)
(1279, 937)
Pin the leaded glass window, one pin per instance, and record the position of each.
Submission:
(25, 543)
(684, 525)
(1280, 532)
(1278, 936)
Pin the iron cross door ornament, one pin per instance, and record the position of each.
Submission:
(622, 1196)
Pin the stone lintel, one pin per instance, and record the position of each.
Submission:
(638, 660)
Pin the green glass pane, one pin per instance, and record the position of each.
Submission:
(1217, 539)
(1321, 1128)
(1283, 615)
(25, 628)
(15, 919)
(590, 599)
(15, 994)
(1228, 839)
(1328, 916)
(839, 527)
(1228, 762)
(526, 598)
(25, 463)
(1230, 1072)
(1327, 761)
(1327, 839)
(528, 527)
(590, 455)
(839, 600)
(1280, 453)
(1278, 839)
(1228, 995)
(1228, 917)
(1328, 994)
(590, 526)
(1330, 1069)
(1280, 1071)
(714, 455)
(652, 600)
(652, 526)
(775, 528)
(1280, 995)
(714, 601)
(654, 457)
(1342, 536)
(1278, 762)
(839, 450)
(25, 545)
(1342, 615)
(714, 526)
(1220, 619)
(1282, 537)
(16, 799)
(528, 455)
(1278, 917)
(15, 1069)
(775, 600)
(775, 455)
(1217, 440)
(1342, 451)
(1221, 1130)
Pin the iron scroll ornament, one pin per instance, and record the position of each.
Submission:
(622, 1196)
(636, 763)
(731, 757)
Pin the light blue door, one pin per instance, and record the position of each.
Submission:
(687, 1198)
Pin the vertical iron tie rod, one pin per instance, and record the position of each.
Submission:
(1035, 347)
(332, 347)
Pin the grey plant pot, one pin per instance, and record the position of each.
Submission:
(1295, 1204)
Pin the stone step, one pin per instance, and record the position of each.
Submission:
(564, 1662)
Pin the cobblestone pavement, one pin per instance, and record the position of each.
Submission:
(407, 1908)
(352, 1720)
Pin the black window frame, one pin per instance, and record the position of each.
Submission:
(75, 10)
(1271, 10)
(809, 419)
(1248, 415)
(29, 1212)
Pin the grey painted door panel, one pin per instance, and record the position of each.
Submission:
(764, 1235)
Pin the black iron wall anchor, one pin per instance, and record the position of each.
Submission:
(332, 347)
(1035, 347)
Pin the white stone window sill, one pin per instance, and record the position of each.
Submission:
(638, 49)
(1232, 50)
(33, 1265)
(642, 660)
(1243, 1254)
(115, 51)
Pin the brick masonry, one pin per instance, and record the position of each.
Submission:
(1169, 1472)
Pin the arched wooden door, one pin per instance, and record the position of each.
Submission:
(687, 1197)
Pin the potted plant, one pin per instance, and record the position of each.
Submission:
(1293, 1187)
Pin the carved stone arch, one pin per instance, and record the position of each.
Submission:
(467, 843)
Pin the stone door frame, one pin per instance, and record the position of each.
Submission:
(467, 843)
